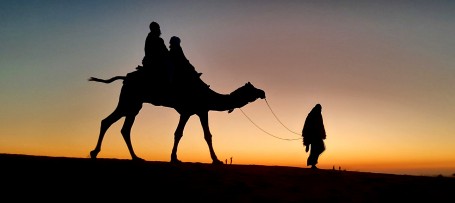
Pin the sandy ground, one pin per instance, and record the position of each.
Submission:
(63, 179)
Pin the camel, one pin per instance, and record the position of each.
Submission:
(187, 96)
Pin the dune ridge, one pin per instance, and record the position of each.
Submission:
(29, 177)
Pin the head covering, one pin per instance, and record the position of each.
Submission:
(174, 41)
(318, 107)
(154, 25)
(155, 28)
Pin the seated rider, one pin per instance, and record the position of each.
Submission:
(156, 53)
(184, 70)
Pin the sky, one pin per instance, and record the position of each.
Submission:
(383, 71)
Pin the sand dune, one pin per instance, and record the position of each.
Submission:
(40, 178)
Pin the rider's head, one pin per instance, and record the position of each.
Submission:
(155, 28)
(175, 41)
(318, 107)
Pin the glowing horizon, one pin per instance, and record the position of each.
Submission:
(383, 72)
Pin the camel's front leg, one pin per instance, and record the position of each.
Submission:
(178, 134)
(204, 117)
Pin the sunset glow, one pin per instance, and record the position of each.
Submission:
(384, 73)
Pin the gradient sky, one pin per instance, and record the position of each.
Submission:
(383, 71)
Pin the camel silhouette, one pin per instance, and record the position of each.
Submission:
(187, 96)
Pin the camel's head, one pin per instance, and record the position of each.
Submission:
(251, 93)
(257, 93)
(246, 94)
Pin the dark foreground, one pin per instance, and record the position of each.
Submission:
(63, 179)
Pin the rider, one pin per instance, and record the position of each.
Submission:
(179, 58)
(184, 71)
(156, 53)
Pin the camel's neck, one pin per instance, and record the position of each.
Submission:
(206, 100)
(224, 102)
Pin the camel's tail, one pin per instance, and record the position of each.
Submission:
(107, 81)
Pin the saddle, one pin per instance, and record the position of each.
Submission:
(150, 79)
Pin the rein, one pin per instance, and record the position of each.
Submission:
(288, 139)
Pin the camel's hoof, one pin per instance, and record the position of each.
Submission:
(93, 154)
(176, 161)
(137, 159)
(217, 162)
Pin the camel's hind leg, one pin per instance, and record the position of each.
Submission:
(128, 108)
(126, 133)
(178, 135)
(204, 117)
(105, 124)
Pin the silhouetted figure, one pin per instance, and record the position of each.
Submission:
(185, 75)
(313, 134)
(181, 63)
(225, 161)
(139, 87)
(199, 103)
(156, 56)
(231, 161)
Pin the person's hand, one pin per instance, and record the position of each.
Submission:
(307, 148)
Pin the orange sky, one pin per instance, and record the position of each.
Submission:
(383, 73)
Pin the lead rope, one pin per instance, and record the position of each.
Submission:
(280, 120)
(289, 139)
(266, 131)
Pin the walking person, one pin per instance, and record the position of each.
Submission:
(313, 134)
